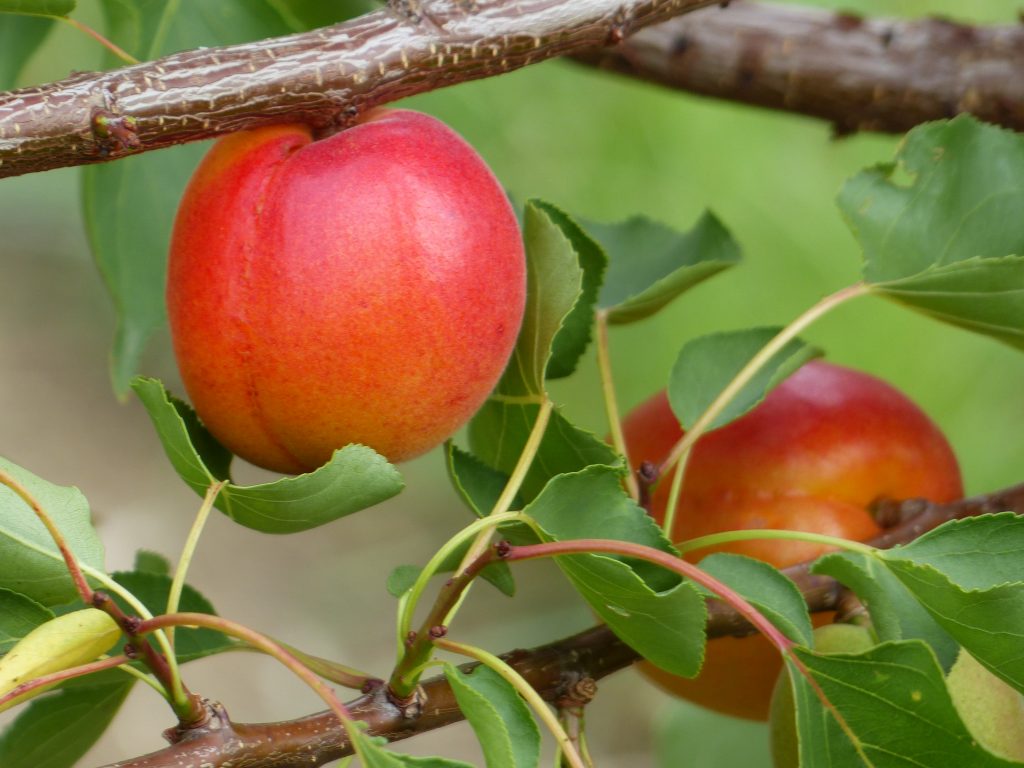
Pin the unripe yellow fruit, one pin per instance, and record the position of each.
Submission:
(61, 643)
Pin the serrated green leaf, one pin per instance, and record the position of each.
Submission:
(949, 240)
(573, 337)
(984, 295)
(355, 478)
(20, 36)
(129, 206)
(969, 575)
(498, 434)
(508, 735)
(19, 615)
(649, 608)
(895, 613)
(894, 701)
(768, 590)
(554, 282)
(152, 562)
(38, 7)
(650, 264)
(153, 591)
(707, 365)
(373, 755)
(477, 484)
(57, 730)
(30, 562)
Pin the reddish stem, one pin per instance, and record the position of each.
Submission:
(59, 677)
(665, 560)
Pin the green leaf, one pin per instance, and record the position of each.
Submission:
(38, 7)
(130, 248)
(355, 478)
(707, 365)
(984, 295)
(57, 730)
(152, 562)
(477, 484)
(30, 562)
(129, 206)
(768, 590)
(573, 337)
(373, 755)
(554, 283)
(969, 575)
(651, 609)
(153, 591)
(19, 615)
(651, 264)
(894, 700)
(941, 228)
(498, 434)
(508, 735)
(895, 613)
(20, 36)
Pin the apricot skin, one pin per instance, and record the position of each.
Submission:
(813, 456)
(363, 288)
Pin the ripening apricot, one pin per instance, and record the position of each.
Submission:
(363, 288)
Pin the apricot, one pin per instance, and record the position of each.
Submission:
(363, 288)
(813, 456)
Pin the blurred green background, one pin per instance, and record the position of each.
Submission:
(599, 146)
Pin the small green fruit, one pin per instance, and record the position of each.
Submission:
(992, 710)
(832, 638)
(61, 643)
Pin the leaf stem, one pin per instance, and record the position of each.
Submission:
(756, 363)
(524, 689)
(671, 562)
(727, 537)
(122, 54)
(674, 496)
(611, 405)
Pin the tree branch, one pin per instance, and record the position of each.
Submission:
(859, 74)
(559, 671)
(325, 78)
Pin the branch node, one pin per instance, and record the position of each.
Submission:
(114, 133)
(211, 717)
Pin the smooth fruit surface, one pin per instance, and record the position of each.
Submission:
(364, 288)
(813, 456)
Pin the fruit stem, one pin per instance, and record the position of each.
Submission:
(728, 537)
(524, 689)
(611, 406)
(756, 363)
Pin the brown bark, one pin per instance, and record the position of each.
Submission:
(326, 78)
(555, 670)
(859, 74)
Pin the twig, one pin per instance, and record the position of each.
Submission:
(325, 78)
(859, 74)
